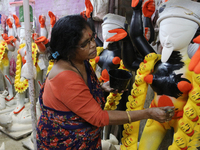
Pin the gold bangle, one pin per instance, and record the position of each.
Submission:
(129, 118)
(101, 83)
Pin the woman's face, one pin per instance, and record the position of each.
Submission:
(86, 48)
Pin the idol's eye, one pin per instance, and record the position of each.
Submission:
(163, 33)
(176, 34)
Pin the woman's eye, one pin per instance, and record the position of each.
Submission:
(92, 39)
(85, 44)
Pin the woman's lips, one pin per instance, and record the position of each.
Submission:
(94, 52)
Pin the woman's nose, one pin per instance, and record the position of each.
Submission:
(92, 43)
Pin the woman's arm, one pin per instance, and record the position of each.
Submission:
(159, 114)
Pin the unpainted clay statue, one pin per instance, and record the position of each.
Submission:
(172, 75)
(19, 119)
(7, 43)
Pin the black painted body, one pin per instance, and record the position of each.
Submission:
(165, 80)
(106, 57)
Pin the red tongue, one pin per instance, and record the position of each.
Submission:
(164, 101)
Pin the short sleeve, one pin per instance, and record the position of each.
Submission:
(71, 90)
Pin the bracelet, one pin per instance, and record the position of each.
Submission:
(129, 118)
(101, 83)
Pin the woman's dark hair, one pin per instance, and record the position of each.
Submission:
(65, 35)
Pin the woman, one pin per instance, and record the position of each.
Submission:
(72, 99)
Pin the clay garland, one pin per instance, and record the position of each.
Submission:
(137, 99)
(51, 63)
(92, 61)
(2, 49)
(112, 101)
(21, 86)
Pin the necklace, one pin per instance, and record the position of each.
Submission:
(76, 68)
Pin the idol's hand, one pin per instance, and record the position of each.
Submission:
(42, 39)
(9, 22)
(89, 8)
(136, 4)
(120, 34)
(52, 18)
(42, 20)
(148, 8)
(17, 23)
(195, 60)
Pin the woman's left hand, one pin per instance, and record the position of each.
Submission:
(106, 87)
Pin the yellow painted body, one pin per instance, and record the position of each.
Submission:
(186, 128)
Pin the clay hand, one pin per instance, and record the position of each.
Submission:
(10, 39)
(35, 36)
(42, 20)
(42, 39)
(148, 78)
(136, 4)
(4, 36)
(184, 86)
(195, 60)
(17, 23)
(53, 18)
(89, 8)
(9, 22)
(121, 34)
(148, 8)
(7, 39)
(83, 14)
(161, 114)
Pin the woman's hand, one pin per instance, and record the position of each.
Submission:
(161, 114)
(106, 87)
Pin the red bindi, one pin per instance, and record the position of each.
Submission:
(89, 34)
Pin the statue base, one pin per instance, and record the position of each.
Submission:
(18, 134)
(28, 144)
(9, 106)
(18, 125)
